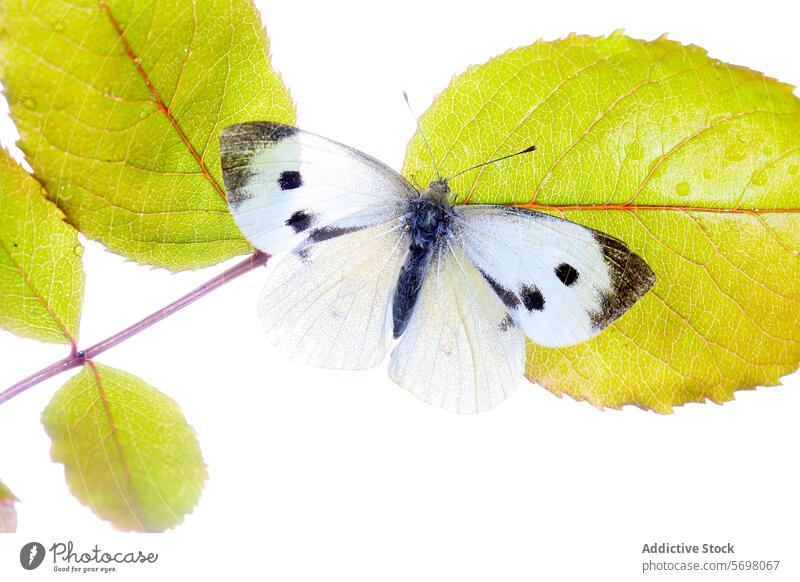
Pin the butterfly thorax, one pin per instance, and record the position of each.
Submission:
(438, 192)
(429, 222)
(429, 216)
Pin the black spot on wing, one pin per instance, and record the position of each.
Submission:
(329, 232)
(532, 298)
(506, 323)
(631, 278)
(508, 297)
(290, 179)
(300, 221)
(566, 274)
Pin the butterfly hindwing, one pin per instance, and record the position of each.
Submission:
(562, 282)
(328, 304)
(286, 185)
(461, 350)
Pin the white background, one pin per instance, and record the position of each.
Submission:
(323, 475)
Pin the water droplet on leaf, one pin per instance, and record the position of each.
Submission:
(634, 150)
(735, 152)
(746, 135)
(683, 189)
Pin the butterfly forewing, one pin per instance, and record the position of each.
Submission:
(461, 350)
(562, 283)
(286, 185)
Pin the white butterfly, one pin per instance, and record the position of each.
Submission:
(372, 259)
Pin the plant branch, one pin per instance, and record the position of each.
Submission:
(78, 358)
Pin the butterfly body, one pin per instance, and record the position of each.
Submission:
(369, 260)
(429, 222)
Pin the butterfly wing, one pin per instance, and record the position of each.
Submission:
(286, 185)
(328, 303)
(561, 282)
(461, 350)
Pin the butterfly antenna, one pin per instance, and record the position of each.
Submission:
(525, 151)
(424, 139)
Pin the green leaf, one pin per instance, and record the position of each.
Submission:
(8, 511)
(41, 274)
(128, 452)
(692, 162)
(119, 104)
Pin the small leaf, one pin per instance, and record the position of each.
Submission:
(128, 452)
(8, 510)
(119, 104)
(41, 274)
(692, 162)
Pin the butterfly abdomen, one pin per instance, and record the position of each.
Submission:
(409, 284)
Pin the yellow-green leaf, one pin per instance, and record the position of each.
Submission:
(690, 161)
(41, 274)
(119, 104)
(8, 510)
(128, 452)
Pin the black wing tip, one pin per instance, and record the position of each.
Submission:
(250, 133)
(631, 279)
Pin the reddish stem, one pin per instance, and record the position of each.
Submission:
(78, 358)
